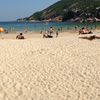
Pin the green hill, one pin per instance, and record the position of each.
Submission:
(63, 10)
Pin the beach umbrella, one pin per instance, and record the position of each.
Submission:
(1, 30)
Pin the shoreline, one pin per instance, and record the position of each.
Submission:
(31, 34)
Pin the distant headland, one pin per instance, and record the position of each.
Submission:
(72, 10)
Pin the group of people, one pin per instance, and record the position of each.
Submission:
(48, 33)
(88, 37)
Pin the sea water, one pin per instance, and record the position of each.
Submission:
(43, 26)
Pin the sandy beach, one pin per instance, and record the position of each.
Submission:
(63, 68)
(31, 34)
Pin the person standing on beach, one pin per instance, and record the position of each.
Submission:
(56, 34)
(61, 29)
(75, 28)
(41, 32)
(51, 30)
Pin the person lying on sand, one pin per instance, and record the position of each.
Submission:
(90, 37)
(84, 31)
(20, 36)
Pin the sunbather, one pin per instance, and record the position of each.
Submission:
(20, 36)
(90, 37)
(84, 31)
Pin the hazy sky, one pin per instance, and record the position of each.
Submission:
(14, 9)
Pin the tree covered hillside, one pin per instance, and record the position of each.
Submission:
(82, 10)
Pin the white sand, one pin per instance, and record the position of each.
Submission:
(64, 68)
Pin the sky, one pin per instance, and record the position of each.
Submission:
(11, 10)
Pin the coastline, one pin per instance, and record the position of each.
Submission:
(52, 53)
